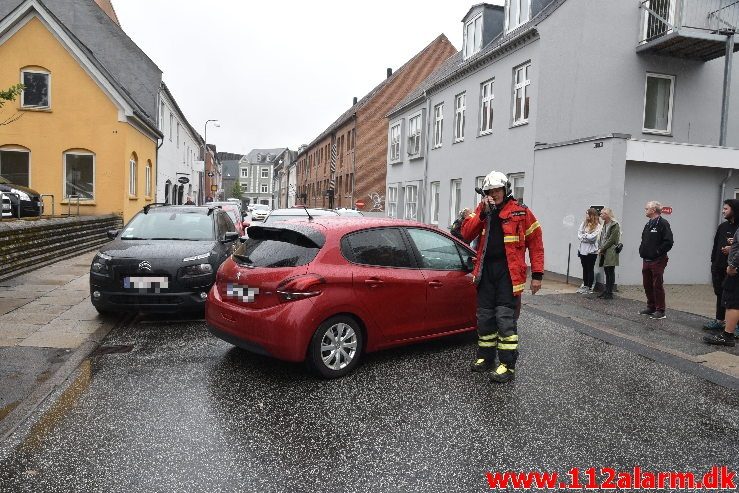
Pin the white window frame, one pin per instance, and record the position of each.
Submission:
(245, 172)
(454, 193)
(48, 89)
(392, 201)
(519, 20)
(64, 173)
(524, 87)
(414, 134)
(513, 178)
(486, 106)
(394, 141)
(410, 194)
(471, 48)
(657, 131)
(147, 170)
(178, 136)
(264, 188)
(171, 125)
(264, 173)
(460, 107)
(132, 177)
(438, 125)
(478, 184)
(434, 201)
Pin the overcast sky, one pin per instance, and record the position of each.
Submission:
(277, 73)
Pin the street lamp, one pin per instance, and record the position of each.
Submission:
(205, 150)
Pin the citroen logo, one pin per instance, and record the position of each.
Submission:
(145, 266)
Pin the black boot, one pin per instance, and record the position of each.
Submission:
(502, 374)
(482, 365)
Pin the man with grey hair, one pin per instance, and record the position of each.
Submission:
(656, 241)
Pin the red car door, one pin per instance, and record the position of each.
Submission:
(386, 282)
(451, 296)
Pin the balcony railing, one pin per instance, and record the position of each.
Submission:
(687, 28)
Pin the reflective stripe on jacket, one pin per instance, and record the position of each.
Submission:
(521, 231)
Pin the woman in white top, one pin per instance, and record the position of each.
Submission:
(588, 249)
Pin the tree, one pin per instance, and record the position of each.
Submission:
(235, 191)
(9, 95)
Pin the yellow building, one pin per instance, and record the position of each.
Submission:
(79, 134)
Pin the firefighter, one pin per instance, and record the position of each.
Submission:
(505, 229)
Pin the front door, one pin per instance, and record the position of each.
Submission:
(451, 296)
(386, 282)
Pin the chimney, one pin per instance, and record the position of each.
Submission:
(354, 101)
(389, 72)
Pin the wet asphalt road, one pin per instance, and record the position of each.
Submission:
(183, 411)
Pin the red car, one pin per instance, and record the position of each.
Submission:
(331, 289)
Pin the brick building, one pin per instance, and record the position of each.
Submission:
(360, 137)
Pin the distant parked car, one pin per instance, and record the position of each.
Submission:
(16, 196)
(259, 212)
(299, 213)
(234, 212)
(164, 260)
(329, 290)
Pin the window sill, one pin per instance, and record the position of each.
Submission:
(483, 134)
(437, 147)
(413, 157)
(458, 141)
(133, 197)
(519, 124)
(36, 110)
(663, 133)
(397, 161)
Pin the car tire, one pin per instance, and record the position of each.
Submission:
(336, 347)
(102, 312)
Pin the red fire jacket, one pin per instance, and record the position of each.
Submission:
(521, 230)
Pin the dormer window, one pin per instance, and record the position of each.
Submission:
(473, 36)
(516, 13)
(259, 157)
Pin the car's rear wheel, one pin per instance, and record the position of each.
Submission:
(336, 347)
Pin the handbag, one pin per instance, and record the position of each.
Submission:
(619, 247)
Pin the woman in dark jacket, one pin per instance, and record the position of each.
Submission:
(610, 236)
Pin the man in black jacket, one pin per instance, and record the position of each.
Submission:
(719, 253)
(656, 241)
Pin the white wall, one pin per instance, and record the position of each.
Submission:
(175, 161)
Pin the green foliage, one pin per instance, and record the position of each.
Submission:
(11, 93)
(235, 192)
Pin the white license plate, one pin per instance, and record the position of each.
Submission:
(146, 282)
(245, 294)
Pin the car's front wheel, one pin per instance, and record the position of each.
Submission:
(336, 347)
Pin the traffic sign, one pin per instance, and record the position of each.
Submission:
(359, 203)
(183, 179)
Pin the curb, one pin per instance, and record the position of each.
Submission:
(35, 399)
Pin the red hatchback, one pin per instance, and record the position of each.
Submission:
(330, 289)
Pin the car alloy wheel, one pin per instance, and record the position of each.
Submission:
(336, 347)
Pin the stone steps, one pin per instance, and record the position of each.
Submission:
(28, 245)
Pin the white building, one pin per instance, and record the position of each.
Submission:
(178, 165)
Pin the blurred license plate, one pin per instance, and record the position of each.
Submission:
(146, 282)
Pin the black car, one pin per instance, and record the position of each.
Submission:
(164, 260)
(14, 196)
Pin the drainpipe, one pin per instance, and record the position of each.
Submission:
(426, 189)
(727, 87)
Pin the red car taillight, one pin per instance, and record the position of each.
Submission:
(300, 287)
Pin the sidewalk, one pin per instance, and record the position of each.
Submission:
(47, 323)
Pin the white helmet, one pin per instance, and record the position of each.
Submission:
(496, 179)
